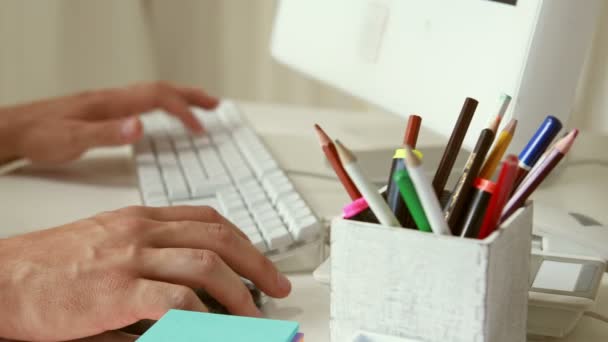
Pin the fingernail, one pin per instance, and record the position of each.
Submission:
(284, 283)
(259, 314)
(130, 128)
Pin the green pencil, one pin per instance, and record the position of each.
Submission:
(408, 192)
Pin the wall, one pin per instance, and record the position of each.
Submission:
(49, 48)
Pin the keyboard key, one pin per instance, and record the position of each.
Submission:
(305, 228)
(276, 238)
(276, 190)
(209, 202)
(207, 187)
(157, 203)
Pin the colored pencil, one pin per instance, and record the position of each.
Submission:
(503, 105)
(329, 149)
(408, 193)
(527, 188)
(412, 130)
(426, 194)
(367, 189)
(480, 198)
(504, 188)
(499, 149)
(456, 205)
(546, 153)
(454, 144)
(536, 147)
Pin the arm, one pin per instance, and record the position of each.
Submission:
(62, 129)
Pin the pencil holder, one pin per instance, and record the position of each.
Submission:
(406, 283)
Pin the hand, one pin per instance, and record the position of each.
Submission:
(114, 269)
(62, 129)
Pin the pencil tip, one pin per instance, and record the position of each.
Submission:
(505, 101)
(566, 143)
(323, 137)
(345, 154)
(511, 126)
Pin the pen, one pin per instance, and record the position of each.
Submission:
(453, 147)
(504, 188)
(503, 105)
(535, 179)
(499, 149)
(332, 156)
(408, 193)
(536, 146)
(483, 192)
(374, 199)
(426, 194)
(453, 210)
(412, 130)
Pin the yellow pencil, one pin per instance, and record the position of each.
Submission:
(498, 151)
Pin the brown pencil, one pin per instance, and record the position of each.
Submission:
(457, 203)
(334, 160)
(454, 144)
(412, 130)
(538, 175)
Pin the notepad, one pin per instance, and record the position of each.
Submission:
(187, 326)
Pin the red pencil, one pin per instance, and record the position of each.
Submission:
(412, 130)
(332, 156)
(504, 187)
(539, 174)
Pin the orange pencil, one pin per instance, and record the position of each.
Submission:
(334, 160)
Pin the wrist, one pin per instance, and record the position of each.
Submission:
(12, 127)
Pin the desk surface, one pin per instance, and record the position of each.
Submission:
(39, 197)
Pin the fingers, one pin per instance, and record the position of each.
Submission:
(150, 299)
(183, 213)
(199, 269)
(138, 99)
(199, 98)
(170, 100)
(110, 336)
(108, 133)
(237, 252)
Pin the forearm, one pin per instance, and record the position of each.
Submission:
(11, 126)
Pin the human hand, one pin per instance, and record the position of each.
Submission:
(62, 129)
(116, 268)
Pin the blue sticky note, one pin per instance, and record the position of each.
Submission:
(187, 326)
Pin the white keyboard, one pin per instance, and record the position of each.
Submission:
(229, 169)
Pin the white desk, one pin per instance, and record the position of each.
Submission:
(45, 197)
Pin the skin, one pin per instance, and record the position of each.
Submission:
(84, 280)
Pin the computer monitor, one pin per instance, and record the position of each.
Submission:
(427, 56)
